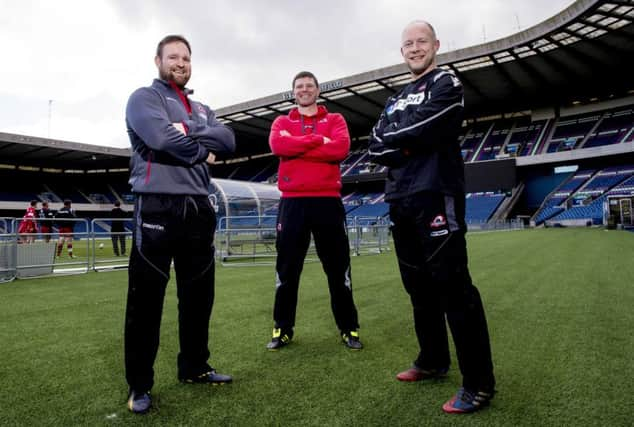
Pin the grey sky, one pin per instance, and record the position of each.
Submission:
(88, 56)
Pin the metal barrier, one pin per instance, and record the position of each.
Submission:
(369, 235)
(243, 240)
(246, 238)
(110, 250)
(8, 257)
(250, 240)
(8, 251)
(40, 254)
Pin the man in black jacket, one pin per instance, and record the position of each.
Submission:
(417, 138)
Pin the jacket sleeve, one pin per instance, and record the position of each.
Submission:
(339, 146)
(291, 146)
(425, 126)
(378, 152)
(147, 118)
(213, 135)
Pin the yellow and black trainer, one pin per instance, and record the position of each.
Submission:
(280, 339)
(351, 339)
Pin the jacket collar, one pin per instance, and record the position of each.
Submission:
(186, 91)
(321, 113)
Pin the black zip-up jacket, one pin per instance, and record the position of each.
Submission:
(417, 137)
(164, 161)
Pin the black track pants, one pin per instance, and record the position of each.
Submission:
(429, 239)
(324, 217)
(178, 228)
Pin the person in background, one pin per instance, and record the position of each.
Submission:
(117, 229)
(27, 230)
(65, 224)
(47, 216)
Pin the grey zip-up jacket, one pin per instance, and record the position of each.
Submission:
(164, 161)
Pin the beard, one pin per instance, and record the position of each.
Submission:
(169, 75)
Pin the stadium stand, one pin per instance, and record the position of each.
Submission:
(587, 202)
(612, 129)
(375, 210)
(523, 136)
(579, 113)
(481, 206)
(491, 145)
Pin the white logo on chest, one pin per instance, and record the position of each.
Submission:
(412, 99)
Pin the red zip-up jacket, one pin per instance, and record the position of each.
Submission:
(308, 166)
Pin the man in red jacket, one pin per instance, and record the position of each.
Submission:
(310, 143)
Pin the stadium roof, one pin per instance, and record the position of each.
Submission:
(584, 53)
(30, 151)
(581, 54)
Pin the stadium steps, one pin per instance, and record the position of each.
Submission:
(483, 142)
(545, 137)
(592, 131)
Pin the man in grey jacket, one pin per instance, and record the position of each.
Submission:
(173, 139)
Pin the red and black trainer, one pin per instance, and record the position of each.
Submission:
(417, 374)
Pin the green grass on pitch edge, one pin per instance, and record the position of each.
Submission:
(559, 306)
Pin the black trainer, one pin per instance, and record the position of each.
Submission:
(280, 339)
(138, 402)
(211, 377)
(351, 339)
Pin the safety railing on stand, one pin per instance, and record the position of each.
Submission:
(508, 224)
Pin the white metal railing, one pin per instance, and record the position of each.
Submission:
(250, 240)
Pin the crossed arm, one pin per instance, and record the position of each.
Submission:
(315, 147)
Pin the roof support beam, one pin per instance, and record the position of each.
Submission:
(340, 105)
(365, 98)
(465, 81)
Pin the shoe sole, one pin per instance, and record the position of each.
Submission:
(353, 348)
(139, 412)
(450, 409)
(131, 409)
(278, 347)
(206, 382)
(421, 378)
(447, 408)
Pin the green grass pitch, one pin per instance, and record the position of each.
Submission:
(559, 304)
